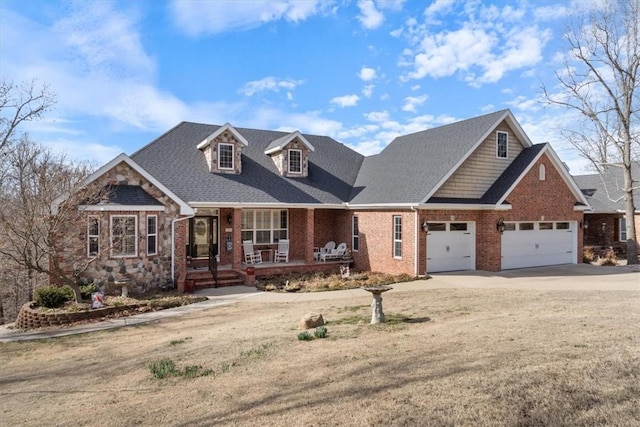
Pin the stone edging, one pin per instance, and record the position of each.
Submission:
(30, 318)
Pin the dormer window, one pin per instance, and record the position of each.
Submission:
(223, 150)
(502, 145)
(226, 156)
(295, 161)
(290, 154)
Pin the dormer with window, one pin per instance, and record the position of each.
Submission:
(223, 150)
(291, 155)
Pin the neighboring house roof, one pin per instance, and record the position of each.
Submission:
(412, 167)
(604, 191)
(175, 160)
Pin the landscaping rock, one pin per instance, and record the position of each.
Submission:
(311, 320)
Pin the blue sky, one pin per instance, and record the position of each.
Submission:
(362, 72)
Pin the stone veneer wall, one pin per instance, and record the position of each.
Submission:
(30, 318)
(146, 272)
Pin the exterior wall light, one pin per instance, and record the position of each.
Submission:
(425, 226)
(229, 219)
(500, 225)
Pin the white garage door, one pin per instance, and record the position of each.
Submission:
(451, 246)
(534, 244)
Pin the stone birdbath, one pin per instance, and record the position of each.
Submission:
(377, 315)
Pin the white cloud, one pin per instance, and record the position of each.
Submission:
(269, 84)
(479, 51)
(345, 101)
(377, 116)
(213, 17)
(367, 74)
(370, 17)
(412, 102)
(438, 7)
(367, 91)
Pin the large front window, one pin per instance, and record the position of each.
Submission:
(265, 226)
(124, 235)
(225, 156)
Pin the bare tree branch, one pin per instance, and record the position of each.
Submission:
(599, 81)
(21, 103)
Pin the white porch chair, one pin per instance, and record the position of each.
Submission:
(336, 253)
(251, 256)
(282, 253)
(330, 246)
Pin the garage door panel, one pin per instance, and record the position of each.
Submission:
(451, 247)
(538, 247)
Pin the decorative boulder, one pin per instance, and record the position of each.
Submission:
(311, 320)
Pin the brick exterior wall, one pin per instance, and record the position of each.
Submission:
(531, 200)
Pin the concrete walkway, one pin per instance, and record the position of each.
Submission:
(581, 277)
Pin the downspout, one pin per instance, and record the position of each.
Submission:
(415, 241)
(173, 246)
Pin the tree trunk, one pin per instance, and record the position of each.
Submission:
(632, 244)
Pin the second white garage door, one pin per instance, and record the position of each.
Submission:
(451, 246)
(534, 244)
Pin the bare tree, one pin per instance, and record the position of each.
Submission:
(599, 82)
(21, 103)
(37, 225)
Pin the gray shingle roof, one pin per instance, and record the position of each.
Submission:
(130, 195)
(595, 187)
(409, 168)
(174, 160)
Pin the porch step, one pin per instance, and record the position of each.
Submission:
(204, 279)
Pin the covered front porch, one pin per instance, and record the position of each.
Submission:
(214, 242)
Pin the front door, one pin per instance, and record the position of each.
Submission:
(203, 231)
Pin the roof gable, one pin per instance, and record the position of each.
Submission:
(185, 209)
(224, 128)
(280, 143)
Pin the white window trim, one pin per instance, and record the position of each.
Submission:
(622, 228)
(355, 236)
(296, 172)
(233, 156)
(133, 255)
(506, 151)
(155, 235)
(89, 236)
(397, 220)
(542, 173)
(273, 212)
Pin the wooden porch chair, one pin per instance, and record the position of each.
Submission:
(282, 253)
(251, 256)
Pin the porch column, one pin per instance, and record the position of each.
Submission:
(310, 239)
(237, 239)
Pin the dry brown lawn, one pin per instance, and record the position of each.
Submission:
(464, 357)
